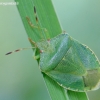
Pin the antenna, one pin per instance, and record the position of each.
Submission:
(37, 22)
(33, 26)
(19, 50)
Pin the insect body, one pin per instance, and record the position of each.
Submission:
(71, 64)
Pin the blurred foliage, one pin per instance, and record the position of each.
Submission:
(18, 80)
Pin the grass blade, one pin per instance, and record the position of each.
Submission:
(47, 19)
(77, 95)
(56, 92)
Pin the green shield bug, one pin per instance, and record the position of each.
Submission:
(71, 64)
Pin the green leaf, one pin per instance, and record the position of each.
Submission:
(56, 92)
(77, 95)
(47, 19)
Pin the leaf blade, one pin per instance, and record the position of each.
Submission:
(51, 23)
(77, 95)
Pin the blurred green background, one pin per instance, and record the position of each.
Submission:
(20, 77)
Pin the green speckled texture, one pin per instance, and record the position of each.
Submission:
(70, 63)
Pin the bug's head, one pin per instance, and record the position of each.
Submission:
(45, 46)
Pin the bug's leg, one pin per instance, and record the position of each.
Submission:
(32, 42)
(36, 18)
(30, 23)
(36, 54)
(35, 26)
(64, 32)
(41, 30)
(37, 22)
(37, 57)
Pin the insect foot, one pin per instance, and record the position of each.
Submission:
(36, 57)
